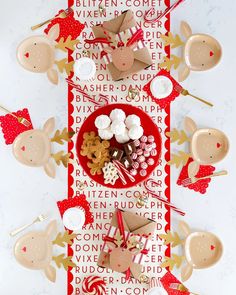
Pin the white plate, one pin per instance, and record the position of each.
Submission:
(85, 68)
(74, 219)
(161, 87)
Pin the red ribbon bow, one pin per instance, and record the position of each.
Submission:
(124, 245)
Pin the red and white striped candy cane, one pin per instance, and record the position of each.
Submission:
(121, 175)
(167, 11)
(122, 167)
(150, 183)
(103, 99)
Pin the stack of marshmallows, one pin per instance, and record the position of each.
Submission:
(117, 124)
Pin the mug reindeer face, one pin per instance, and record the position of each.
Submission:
(122, 258)
(122, 57)
(203, 249)
(36, 54)
(32, 148)
(209, 146)
(34, 250)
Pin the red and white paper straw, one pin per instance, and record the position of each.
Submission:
(167, 11)
(103, 99)
(150, 183)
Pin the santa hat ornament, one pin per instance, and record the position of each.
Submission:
(33, 147)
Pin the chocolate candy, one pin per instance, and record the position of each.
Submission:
(116, 153)
(129, 148)
(127, 161)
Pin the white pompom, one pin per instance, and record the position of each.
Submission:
(117, 114)
(102, 122)
(118, 127)
(105, 134)
(123, 138)
(132, 120)
(135, 132)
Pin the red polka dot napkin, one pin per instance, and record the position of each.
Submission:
(11, 128)
(79, 201)
(201, 185)
(169, 279)
(68, 26)
(164, 102)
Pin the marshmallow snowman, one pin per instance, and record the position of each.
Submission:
(37, 54)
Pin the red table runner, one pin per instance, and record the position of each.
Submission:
(86, 247)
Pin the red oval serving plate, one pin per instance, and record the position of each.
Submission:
(149, 127)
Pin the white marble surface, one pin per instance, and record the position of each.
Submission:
(25, 193)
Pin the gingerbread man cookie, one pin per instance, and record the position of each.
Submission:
(95, 150)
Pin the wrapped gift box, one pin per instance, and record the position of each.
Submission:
(122, 45)
(127, 243)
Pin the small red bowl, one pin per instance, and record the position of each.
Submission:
(149, 127)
